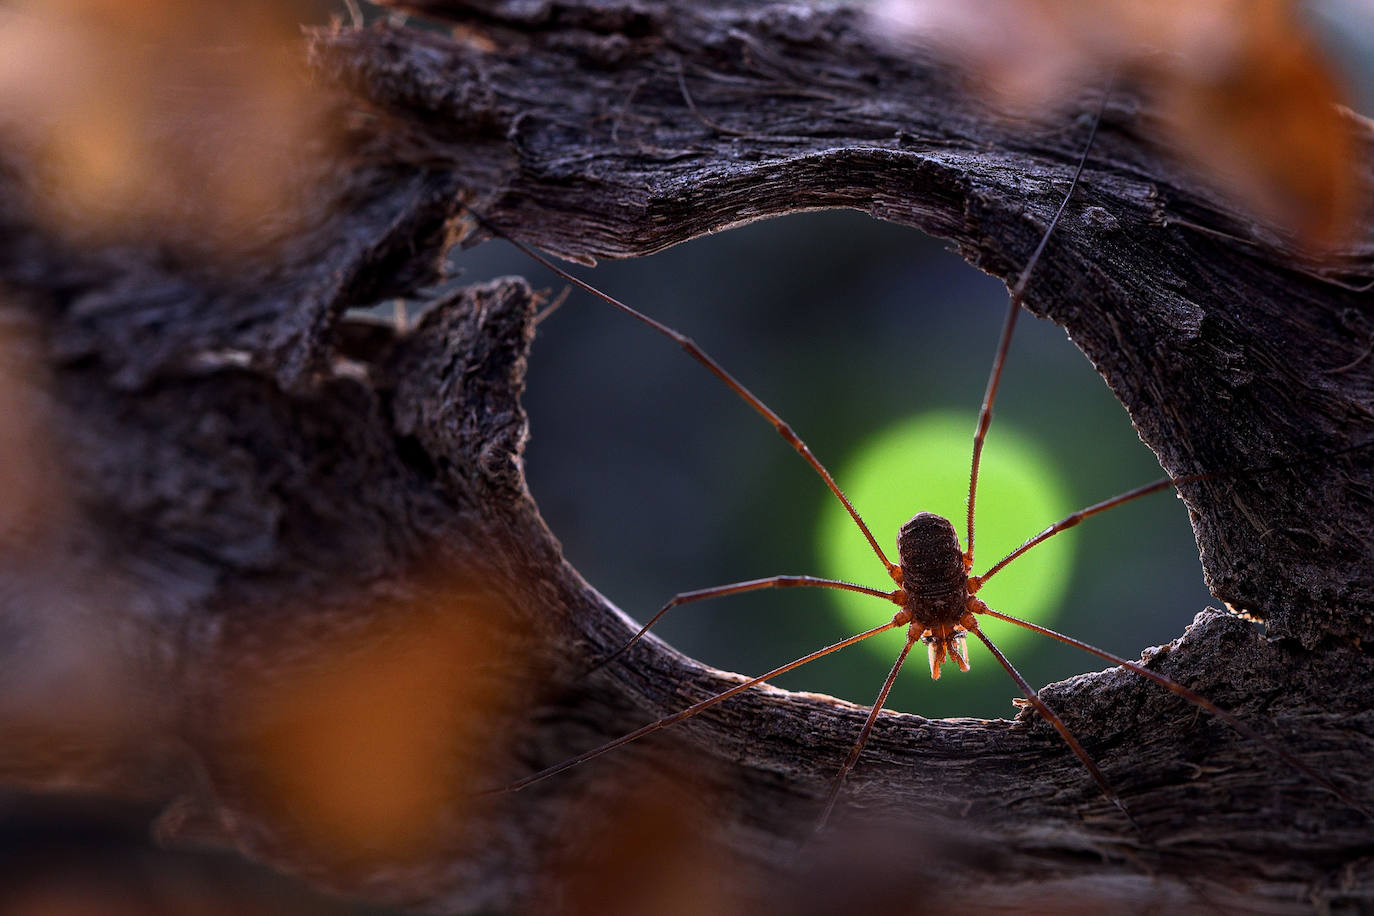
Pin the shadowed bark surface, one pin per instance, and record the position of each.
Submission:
(250, 474)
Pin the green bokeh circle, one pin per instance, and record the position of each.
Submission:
(922, 464)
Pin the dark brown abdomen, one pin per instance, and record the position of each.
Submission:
(933, 573)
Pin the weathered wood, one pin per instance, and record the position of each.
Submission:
(258, 473)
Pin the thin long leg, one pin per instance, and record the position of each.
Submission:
(1196, 699)
(976, 582)
(719, 372)
(1059, 726)
(853, 757)
(1018, 292)
(985, 417)
(739, 588)
(689, 711)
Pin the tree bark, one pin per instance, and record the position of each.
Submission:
(250, 474)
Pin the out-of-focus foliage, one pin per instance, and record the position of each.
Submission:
(159, 117)
(371, 747)
(649, 852)
(1247, 97)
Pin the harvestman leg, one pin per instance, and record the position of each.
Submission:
(1072, 519)
(1069, 521)
(1026, 689)
(739, 588)
(1197, 699)
(719, 371)
(832, 796)
(900, 619)
(1018, 292)
(1191, 696)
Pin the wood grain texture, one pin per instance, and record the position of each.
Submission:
(252, 472)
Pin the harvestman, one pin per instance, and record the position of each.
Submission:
(935, 590)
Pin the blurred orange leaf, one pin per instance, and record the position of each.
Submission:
(652, 851)
(1246, 97)
(140, 117)
(369, 747)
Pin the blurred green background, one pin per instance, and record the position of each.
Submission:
(658, 480)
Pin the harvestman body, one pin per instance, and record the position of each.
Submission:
(935, 592)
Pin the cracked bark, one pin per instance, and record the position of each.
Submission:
(314, 472)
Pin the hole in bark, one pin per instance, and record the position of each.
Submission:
(657, 480)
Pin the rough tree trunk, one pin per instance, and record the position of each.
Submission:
(249, 473)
